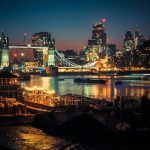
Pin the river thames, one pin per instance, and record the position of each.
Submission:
(131, 86)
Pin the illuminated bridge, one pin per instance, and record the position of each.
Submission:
(52, 57)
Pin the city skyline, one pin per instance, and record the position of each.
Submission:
(70, 22)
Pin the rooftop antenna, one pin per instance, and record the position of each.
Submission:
(24, 38)
(136, 27)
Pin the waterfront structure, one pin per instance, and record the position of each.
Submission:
(4, 50)
(9, 85)
(97, 45)
(128, 44)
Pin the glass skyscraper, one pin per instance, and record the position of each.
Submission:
(97, 44)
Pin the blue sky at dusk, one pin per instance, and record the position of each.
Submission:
(70, 21)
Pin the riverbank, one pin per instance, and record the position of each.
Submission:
(87, 132)
(112, 72)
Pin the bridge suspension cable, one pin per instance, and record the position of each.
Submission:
(67, 61)
(71, 64)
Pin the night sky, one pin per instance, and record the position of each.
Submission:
(70, 21)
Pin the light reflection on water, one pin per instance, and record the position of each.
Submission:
(27, 138)
(104, 91)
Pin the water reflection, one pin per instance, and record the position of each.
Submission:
(27, 138)
(103, 91)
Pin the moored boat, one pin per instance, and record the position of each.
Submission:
(88, 80)
(118, 82)
(60, 79)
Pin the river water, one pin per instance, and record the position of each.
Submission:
(27, 137)
(109, 91)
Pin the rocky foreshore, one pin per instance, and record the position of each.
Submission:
(8, 120)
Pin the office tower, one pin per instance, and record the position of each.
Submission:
(112, 50)
(128, 44)
(97, 44)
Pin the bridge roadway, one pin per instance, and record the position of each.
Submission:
(58, 56)
(27, 46)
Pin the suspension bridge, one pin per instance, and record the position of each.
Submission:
(54, 58)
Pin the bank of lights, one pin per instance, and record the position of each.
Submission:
(39, 89)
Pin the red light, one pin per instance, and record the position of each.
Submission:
(103, 20)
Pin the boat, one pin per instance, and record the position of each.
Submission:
(60, 79)
(79, 80)
(88, 80)
(96, 81)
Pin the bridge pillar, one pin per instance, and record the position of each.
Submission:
(4, 51)
(45, 57)
(51, 57)
(51, 52)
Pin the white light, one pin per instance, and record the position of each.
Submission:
(22, 54)
(29, 45)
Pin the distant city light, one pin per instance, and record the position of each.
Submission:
(22, 54)
(15, 54)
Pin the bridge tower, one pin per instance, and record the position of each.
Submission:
(4, 51)
(51, 51)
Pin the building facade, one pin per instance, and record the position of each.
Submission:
(9, 85)
(111, 50)
(128, 44)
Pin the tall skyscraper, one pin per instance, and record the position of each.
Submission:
(128, 44)
(111, 50)
(4, 50)
(97, 44)
(138, 39)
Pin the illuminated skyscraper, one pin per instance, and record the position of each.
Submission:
(128, 43)
(4, 50)
(97, 45)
